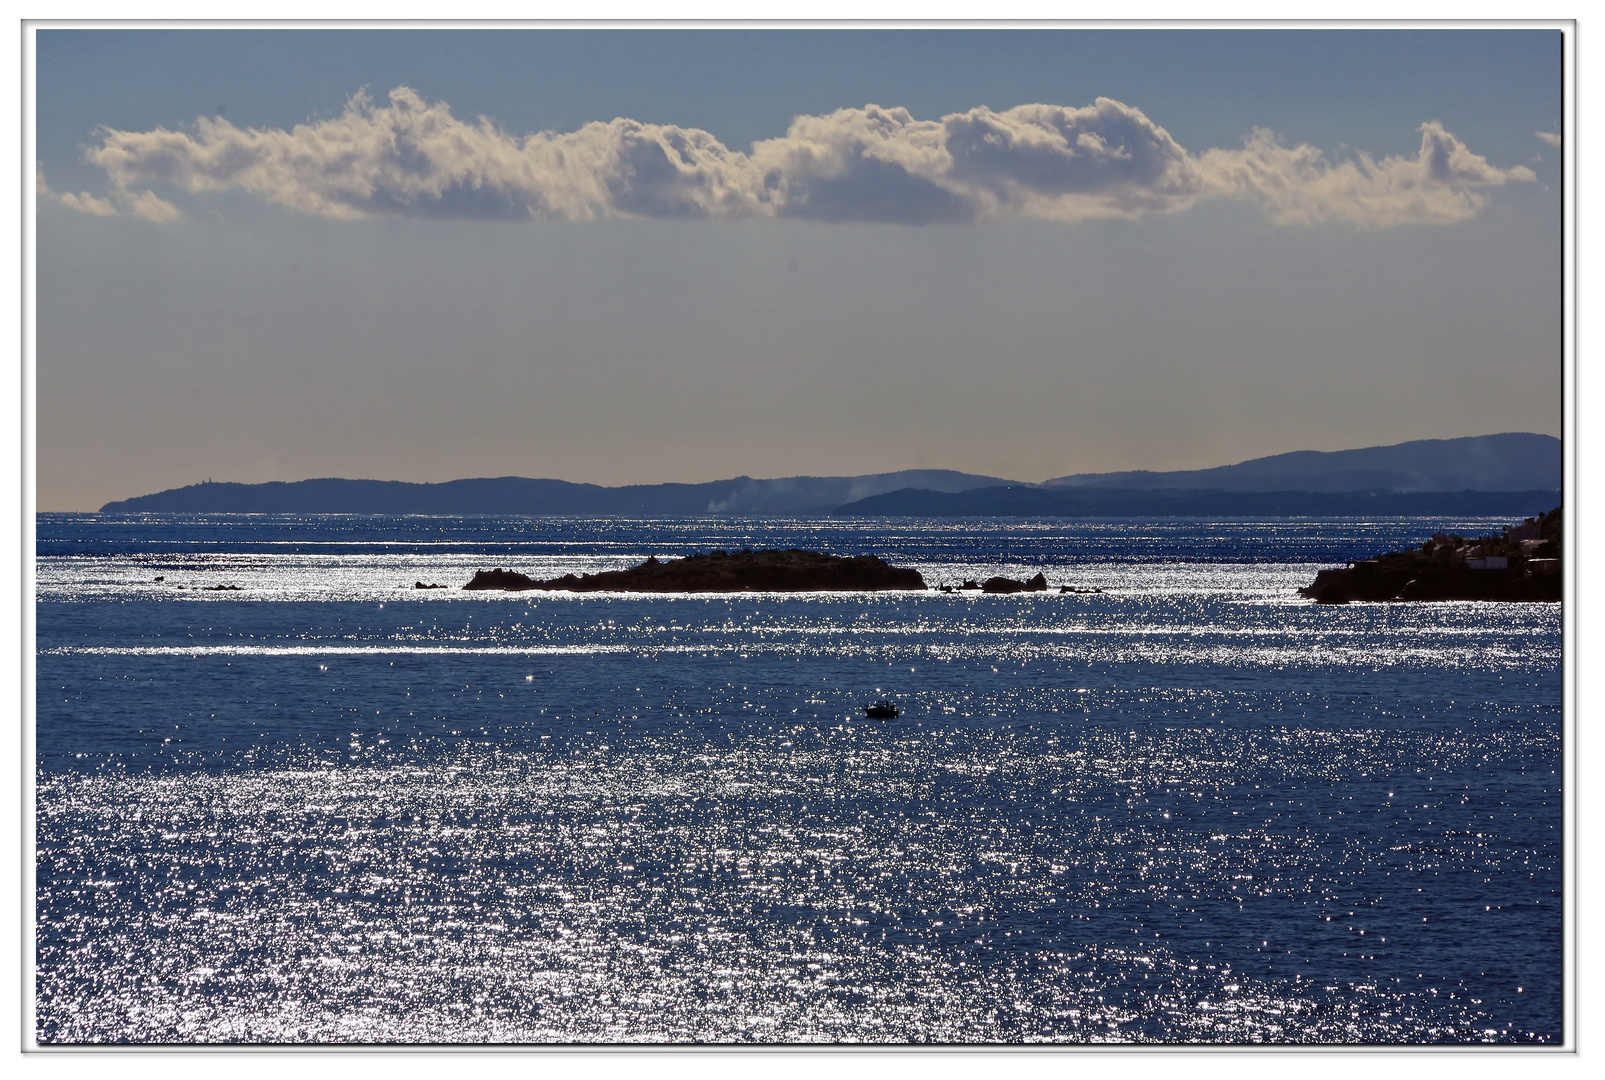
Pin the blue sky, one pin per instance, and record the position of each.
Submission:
(1256, 241)
(1367, 89)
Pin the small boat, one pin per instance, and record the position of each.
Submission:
(881, 710)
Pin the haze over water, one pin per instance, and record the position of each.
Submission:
(329, 807)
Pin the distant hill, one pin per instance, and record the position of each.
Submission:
(517, 495)
(1495, 474)
(1035, 501)
(1515, 461)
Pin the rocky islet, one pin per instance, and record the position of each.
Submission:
(723, 571)
(1522, 564)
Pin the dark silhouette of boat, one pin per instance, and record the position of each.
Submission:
(881, 710)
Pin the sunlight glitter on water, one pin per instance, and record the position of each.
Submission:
(833, 889)
(330, 808)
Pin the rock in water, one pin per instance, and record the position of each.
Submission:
(1010, 585)
(736, 571)
(504, 580)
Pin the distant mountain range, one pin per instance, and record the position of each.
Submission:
(1171, 502)
(1515, 461)
(1513, 473)
(517, 495)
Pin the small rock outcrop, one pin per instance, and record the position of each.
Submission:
(1010, 585)
(1523, 564)
(720, 571)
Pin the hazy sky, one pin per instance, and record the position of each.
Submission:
(627, 257)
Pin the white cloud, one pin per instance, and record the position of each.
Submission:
(86, 203)
(83, 202)
(1105, 160)
(869, 164)
(150, 206)
(1550, 138)
(1299, 185)
(413, 158)
(1048, 161)
(410, 157)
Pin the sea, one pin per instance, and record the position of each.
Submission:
(282, 795)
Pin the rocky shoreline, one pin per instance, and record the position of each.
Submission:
(723, 571)
(1522, 565)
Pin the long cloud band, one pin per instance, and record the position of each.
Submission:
(412, 158)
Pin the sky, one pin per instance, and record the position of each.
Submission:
(684, 255)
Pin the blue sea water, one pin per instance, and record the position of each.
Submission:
(329, 807)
